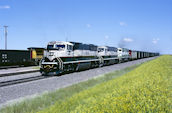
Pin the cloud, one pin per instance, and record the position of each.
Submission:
(155, 40)
(122, 24)
(5, 7)
(128, 40)
(125, 42)
(88, 25)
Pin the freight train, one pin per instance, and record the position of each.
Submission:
(29, 57)
(62, 57)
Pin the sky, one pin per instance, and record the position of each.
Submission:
(135, 24)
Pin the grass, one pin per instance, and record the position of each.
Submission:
(36, 67)
(147, 88)
(42, 102)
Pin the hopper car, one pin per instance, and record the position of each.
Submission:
(29, 57)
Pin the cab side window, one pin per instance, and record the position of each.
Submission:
(69, 47)
(106, 50)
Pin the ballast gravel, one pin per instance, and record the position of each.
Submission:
(21, 76)
(13, 93)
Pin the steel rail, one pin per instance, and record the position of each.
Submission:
(17, 81)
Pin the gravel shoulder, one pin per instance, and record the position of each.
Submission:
(10, 94)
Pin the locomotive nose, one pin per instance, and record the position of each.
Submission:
(51, 56)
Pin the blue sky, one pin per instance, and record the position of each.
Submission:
(135, 24)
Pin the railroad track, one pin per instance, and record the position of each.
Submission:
(17, 81)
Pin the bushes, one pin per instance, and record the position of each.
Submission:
(145, 89)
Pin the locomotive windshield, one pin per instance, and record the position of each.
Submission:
(57, 47)
(60, 47)
(119, 50)
(50, 47)
(100, 49)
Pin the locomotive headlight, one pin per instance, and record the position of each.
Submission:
(51, 53)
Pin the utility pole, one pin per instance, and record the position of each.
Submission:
(5, 27)
(0, 35)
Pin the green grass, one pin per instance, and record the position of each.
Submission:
(36, 67)
(147, 88)
(61, 95)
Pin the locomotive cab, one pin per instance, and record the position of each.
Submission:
(120, 52)
(123, 54)
(58, 49)
(107, 54)
(102, 51)
(107, 51)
